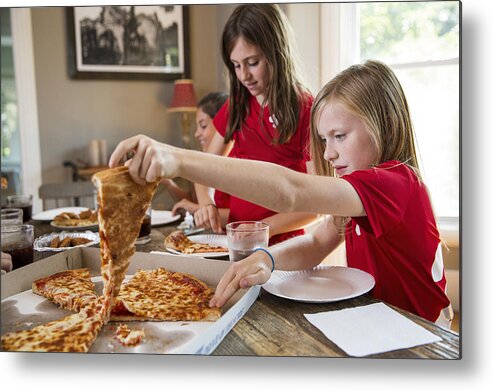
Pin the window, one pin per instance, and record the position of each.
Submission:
(420, 42)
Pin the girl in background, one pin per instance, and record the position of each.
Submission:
(207, 108)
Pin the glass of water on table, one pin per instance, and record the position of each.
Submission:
(244, 237)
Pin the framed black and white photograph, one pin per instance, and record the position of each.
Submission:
(128, 42)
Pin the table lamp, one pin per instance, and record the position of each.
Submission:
(184, 102)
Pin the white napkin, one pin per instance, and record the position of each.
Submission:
(370, 329)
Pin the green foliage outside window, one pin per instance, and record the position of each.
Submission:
(398, 32)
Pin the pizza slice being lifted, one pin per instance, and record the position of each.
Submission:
(122, 205)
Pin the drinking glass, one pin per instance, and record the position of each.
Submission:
(24, 202)
(19, 244)
(11, 219)
(244, 237)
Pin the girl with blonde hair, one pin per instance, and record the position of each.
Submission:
(368, 185)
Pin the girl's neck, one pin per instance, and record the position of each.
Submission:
(261, 100)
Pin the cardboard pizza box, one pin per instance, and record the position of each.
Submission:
(22, 309)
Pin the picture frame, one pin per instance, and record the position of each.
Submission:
(128, 42)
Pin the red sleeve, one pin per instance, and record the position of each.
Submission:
(220, 120)
(384, 192)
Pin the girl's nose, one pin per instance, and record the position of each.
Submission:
(330, 153)
(244, 74)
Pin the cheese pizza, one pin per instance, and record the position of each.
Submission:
(71, 289)
(173, 296)
(163, 295)
(178, 241)
(73, 333)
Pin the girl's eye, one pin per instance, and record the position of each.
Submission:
(339, 137)
(324, 141)
(252, 64)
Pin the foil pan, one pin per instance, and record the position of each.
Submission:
(43, 242)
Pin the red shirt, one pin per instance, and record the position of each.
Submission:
(398, 241)
(254, 142)
(221, 199)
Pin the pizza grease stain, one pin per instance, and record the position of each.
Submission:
(156, 340)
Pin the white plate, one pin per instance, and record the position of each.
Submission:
(217, 240)
(161, 217)
(50, 214)
(74, 228)
(43, 242)
(322, 284)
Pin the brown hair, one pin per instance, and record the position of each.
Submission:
(266, 27)
(212, 102)
(372, 92)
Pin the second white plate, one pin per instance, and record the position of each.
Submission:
(322, 284)
(50, 214)
(161, 217)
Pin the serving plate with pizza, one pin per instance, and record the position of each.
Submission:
(206, 246)
(86, 219)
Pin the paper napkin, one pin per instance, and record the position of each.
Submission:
(370, 329)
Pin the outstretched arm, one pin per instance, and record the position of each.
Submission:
(267, 184)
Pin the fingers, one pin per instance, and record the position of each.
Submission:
(150, 159)
(122, 149)
(200, 218)
(208, 217)
(214, 218)
(188, 205)
(175, 208)
(6, 262)
(243, 274)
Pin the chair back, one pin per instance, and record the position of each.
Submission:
(69, 194)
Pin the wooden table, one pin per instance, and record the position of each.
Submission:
(277, 327)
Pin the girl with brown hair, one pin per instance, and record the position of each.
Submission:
(266, 117)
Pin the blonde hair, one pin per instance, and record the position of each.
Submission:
(372, 92)
(266, 27)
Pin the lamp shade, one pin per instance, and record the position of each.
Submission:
(183, 96)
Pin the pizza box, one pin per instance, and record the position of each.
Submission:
(21, 309)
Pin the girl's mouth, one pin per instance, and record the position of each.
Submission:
(340, 170)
